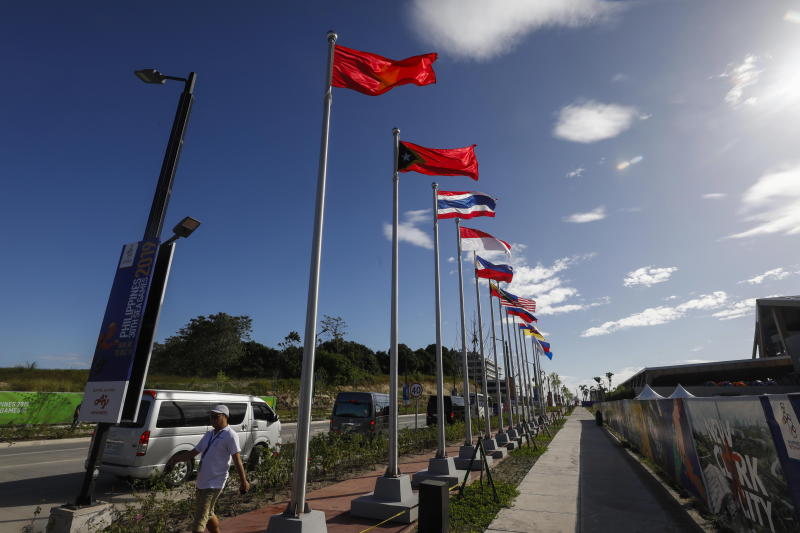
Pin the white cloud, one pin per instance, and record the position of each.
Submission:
(577, 173)
(776, 196)
(408, 231)
(737, 309)
(598, 213)
(742, 76)
(648, 276)
(792, 16)
(618, 77)
(630, 162)
(714, 196)
(590, 121)
(655, 316)
(476, 29)
(775, 273)
(451, 259)
(629, 209)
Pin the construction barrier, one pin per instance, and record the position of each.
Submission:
(739, 456)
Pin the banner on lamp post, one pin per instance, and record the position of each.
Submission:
(115, 352)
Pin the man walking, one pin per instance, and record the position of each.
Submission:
(218, 446)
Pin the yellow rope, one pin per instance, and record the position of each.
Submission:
(370, 528)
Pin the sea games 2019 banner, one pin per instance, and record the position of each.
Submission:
(119, 334)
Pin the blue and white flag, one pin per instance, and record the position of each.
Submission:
(463, 204)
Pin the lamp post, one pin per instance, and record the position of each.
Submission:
(152, 232)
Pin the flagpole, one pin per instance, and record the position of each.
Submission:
(441, 452)
(505, 358)
(297, 503)
(391, 470)
(520, 411)
(510, 370)
(536, 369)
(496, 367)
(465, 365)
(488, 422)
(519, 371)
(527, 376)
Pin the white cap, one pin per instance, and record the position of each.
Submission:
(222, 409)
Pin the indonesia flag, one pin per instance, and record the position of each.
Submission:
(487, 270)
(458, 204)
(473, 239)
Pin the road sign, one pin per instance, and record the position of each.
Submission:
(416, 390)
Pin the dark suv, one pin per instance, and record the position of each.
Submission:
(453, 409)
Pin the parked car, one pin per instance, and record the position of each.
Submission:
(453, 409)
(360, 412)
(173, 421)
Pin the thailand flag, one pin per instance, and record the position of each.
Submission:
(459, 204)
(473, 239)
(487, 270)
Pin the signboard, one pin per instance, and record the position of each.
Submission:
(416, 390)
(119, 334)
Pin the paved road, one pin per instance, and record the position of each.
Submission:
(51, 474)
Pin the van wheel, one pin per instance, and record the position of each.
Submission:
(179, 473)
(256, 456)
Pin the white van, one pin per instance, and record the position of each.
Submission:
(172, 421)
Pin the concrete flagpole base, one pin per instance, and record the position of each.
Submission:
(68, 519)
(392, 495)
(465, 455)
(440, 469)
(512, 434)
(504, 441)
(310, 522)
(493, 449)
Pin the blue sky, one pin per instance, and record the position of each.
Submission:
(643, 155)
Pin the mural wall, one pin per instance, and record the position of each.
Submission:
(739, 456)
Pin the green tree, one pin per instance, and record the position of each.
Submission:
(205, 346)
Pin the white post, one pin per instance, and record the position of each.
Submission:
(441, 445)
(465, 364)
(496, 367)
(391, 470)
(488, 423)
(297, 503)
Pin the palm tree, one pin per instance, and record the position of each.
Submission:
(608, 375)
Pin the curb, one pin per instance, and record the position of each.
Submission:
(687, 504)
(26, 443)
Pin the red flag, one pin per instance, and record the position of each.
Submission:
(373, 74)
(438, 161)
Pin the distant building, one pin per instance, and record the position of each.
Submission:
(476, 369)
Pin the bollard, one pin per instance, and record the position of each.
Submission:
(598, 418)
(434, 506)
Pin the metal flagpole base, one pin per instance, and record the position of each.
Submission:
(493, 449)
(392, 495)
(465, 456)
(440, 469)
(310, 522)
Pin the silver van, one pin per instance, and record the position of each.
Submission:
(172, 421)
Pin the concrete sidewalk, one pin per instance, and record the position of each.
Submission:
(586, 482)
(548, 494)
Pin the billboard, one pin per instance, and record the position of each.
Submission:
(119, 334)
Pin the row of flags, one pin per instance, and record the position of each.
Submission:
(373, 75)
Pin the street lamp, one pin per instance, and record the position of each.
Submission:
(183, 229)
(152, 232)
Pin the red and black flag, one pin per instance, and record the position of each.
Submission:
(373, 74)
(438, 161)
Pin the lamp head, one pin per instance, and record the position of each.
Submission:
(150, 75)
(185, 227)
